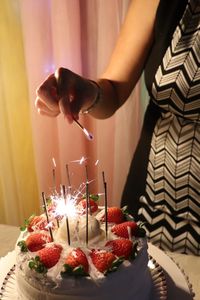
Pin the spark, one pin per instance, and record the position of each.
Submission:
(96, 163)
(80, 161)
(65, 207)
(54, 162)
(49, 225)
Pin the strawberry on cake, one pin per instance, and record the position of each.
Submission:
(111, 264)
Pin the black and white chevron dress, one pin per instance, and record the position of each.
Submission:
(166, 191)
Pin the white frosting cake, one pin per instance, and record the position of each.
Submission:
(127, 280)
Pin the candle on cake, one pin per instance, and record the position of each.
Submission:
(106, 204)
(68, 178)
(47, 216)
(66, 215)
(87, 203)
(54, 174)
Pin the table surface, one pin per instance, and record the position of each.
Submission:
(189, 263)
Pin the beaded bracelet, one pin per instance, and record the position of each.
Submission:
(96, 100)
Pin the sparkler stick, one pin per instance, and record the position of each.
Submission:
(106, 204)
(57, 221)
(87, 200)
(68, 178)
(67, 221)
(54, 174)
(54, 182)
(45, 209)
(87, 203)
(87, 192)
(54, 178)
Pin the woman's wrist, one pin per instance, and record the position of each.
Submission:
(95, 101)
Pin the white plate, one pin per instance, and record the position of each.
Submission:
(7, 277)
(178, 286)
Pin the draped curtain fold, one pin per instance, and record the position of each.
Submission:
(36, 38)
(18, 184)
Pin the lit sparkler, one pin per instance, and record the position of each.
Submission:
(65, 206)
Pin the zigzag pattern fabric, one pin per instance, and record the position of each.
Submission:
(171, 206)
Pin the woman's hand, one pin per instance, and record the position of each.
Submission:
(69, 93)
(66, 92)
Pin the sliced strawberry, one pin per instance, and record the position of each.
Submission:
(126, 229)
(114, 215)
(104, 261)
(121, 247)
(76, 263)
(93, 206)
(46, 258)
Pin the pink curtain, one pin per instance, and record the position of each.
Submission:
(79, 35)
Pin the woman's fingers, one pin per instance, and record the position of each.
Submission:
(64, 107)
(42, 108)
(48, 93)
(46, 113)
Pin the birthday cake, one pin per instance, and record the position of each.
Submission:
(94, 253)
